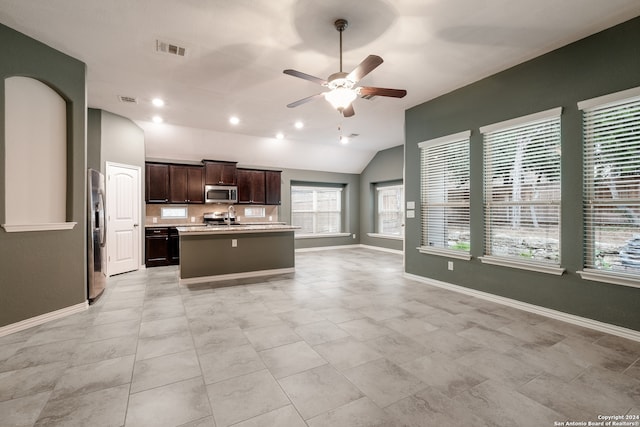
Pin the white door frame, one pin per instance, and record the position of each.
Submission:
(138, 202)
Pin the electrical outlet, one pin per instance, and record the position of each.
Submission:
(270, 218)
(155, 220)
(193, 219)
(234, 243)
(450, 265)
(354, 235)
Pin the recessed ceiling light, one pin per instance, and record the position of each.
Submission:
(234, 120)
(299, 125)
(279, 135)
(157, 102)
(157, 119)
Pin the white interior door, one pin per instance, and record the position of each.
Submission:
(123, 218)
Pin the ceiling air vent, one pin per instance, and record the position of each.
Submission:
(170, 48)
(128, 99)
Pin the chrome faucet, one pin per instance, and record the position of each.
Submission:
(231, 210)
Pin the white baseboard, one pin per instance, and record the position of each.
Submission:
(531, 308)
(381, 249)
(356, 246)
(43, 318)
(233, 276)
(327, 248)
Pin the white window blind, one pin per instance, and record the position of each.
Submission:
(445, 194)
(317, 210)
(390, 209)
(611, 135)
(522, 189)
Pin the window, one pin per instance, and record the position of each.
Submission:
(522, 191)
(390, 201)
(445, 195)
(317, 210)
(255, 212)
(611, 132)
(173, 212)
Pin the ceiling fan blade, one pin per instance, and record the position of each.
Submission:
(348, 112)
(309, 77)
(380, 91)
(364, 68)
(305, 100)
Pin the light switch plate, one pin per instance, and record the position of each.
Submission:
(411, 214)
(411, 205)
(234, 243)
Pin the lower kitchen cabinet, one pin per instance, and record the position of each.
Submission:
(174, 246)
(162, 246)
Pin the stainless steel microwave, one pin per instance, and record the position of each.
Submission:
(220, 194)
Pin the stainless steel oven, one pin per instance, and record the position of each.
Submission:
(220, 194)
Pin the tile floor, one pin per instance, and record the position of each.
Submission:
(345, 341)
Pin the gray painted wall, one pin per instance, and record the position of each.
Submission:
(44, 271)
(603, 63)
(386, 166)
(116, 139)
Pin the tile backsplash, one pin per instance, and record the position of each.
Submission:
(197, 213)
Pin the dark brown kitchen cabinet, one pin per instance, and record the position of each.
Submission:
(251, 186)
(162, 246)
(273, 187)
(220, 173)
(156, 183)
(186, 184)
(174, 246)
(156, 244)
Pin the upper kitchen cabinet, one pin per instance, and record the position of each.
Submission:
(273, 187)
(186, 184)
(251, 186)
(156, 183)
(220, 172)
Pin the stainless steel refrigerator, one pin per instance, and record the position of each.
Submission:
(97, 235)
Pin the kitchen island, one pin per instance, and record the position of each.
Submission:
(227, 252)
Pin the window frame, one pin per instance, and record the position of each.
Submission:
(589, 271)
(460, 137)
(554, 268)
(378, 189)
(340, 188)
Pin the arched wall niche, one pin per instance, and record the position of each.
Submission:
(36, 156)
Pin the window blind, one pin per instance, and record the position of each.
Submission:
(390, 209)
(317, 210)
(445, 194)
(522, 189)
(611, 170)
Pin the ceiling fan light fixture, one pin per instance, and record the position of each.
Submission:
(341, 97)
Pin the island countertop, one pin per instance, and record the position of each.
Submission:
(234, 229)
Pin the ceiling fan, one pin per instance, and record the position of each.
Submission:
(342, 91)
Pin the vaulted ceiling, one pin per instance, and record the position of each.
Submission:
(236, 52)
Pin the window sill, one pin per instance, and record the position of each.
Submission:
(17, 228)
(385, 236)
(524, 265)
(449, 253)
(320, 236)
(610, 277)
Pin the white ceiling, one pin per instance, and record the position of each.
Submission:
(236, 51)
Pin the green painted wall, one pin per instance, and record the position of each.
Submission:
(386, 166)
(41, 272)
(603, 63)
